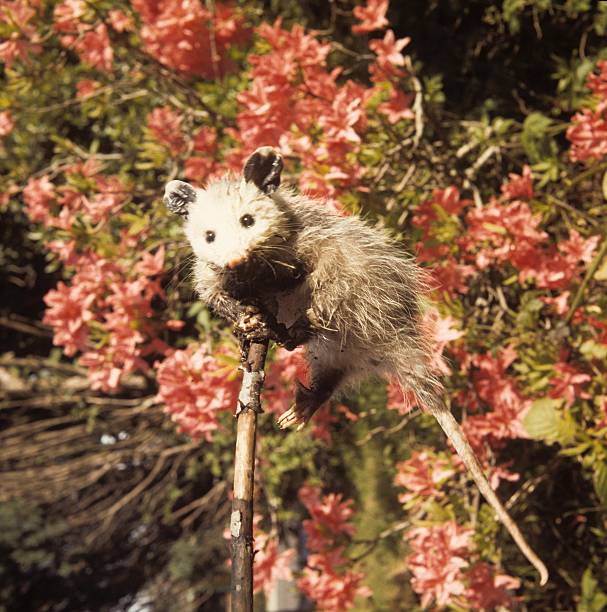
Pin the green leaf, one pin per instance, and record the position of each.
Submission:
(600, 481)
(543, 420)
(536, 141)
(592, 599)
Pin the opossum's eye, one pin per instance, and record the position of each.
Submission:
(247, 221)
(210, 236)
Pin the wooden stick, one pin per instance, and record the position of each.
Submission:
(241, 520)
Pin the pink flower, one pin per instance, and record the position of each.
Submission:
(38, 195)
(488, 590)
(389, 49)
(398, 106)
(330, 517)
(21, 37)
(588, 134)
(165, 125)
(269, 563)
(151, 265)
(446, 200)
(120, 21)
(286, 368)
(567, 383)
(387, 66)
(519, 187)
(198, 169)
(6, 123)
(196, 388)
(422, 475)
(597, 83)
(67, 16)
(331, 588)
(438, 557)
(86, 88)
(94, 48)
(186, 36)
(499, 392)
(372, 16)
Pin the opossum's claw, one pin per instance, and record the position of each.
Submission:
(293, 416)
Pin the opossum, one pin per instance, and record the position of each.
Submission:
(332, 283)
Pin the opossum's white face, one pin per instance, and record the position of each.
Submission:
(232, 219)
(229, 220)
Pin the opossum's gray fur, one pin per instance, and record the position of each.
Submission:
(343, 289)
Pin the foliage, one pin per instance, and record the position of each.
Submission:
(476, 133)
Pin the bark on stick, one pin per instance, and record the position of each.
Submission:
(241, 520)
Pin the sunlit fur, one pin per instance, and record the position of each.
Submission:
(364, 291)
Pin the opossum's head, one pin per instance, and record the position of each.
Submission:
(232, 219)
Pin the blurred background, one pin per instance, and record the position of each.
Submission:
(474, 132)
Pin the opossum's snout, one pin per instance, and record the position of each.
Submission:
(235, 263)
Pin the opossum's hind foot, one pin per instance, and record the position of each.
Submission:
(306, 404)
(308, 401)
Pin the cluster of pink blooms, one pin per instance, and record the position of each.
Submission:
(90, 40)
(271, 563)
(189, 36)
(195, 388)
(588, 130)
(442, 572)
(296, 103)
(24, 39)
(327, 578)
(60, 206)
(105, 312)
(166, 126)
(6, 123)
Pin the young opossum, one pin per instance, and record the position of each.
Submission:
(339, 287)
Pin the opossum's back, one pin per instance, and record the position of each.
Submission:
(363, 280)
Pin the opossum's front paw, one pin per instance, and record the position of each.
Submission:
(251, 324)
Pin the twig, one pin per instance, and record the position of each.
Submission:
(241, 520)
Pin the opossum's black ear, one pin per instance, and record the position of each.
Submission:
(178, 196)
(264, 168)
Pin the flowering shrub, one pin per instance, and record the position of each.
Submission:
(102, 103)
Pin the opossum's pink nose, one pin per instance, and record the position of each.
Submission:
(235, 262)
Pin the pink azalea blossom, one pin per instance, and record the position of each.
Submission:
(488, 590)
(372, 16)
(86, 88)
(389, 60)
(398, 107)
(24, 38)
(165, 124)
(7, 123)
(519, 187)
(279, 387)
(588, 134)
(567, 383)
(189, 37)
(331, 588)
(422, 474)
(437, 561)
(195, 389)
(269, 563)
(38, 195)
(120, 21)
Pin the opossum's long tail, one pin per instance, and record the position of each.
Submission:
(454, 432)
